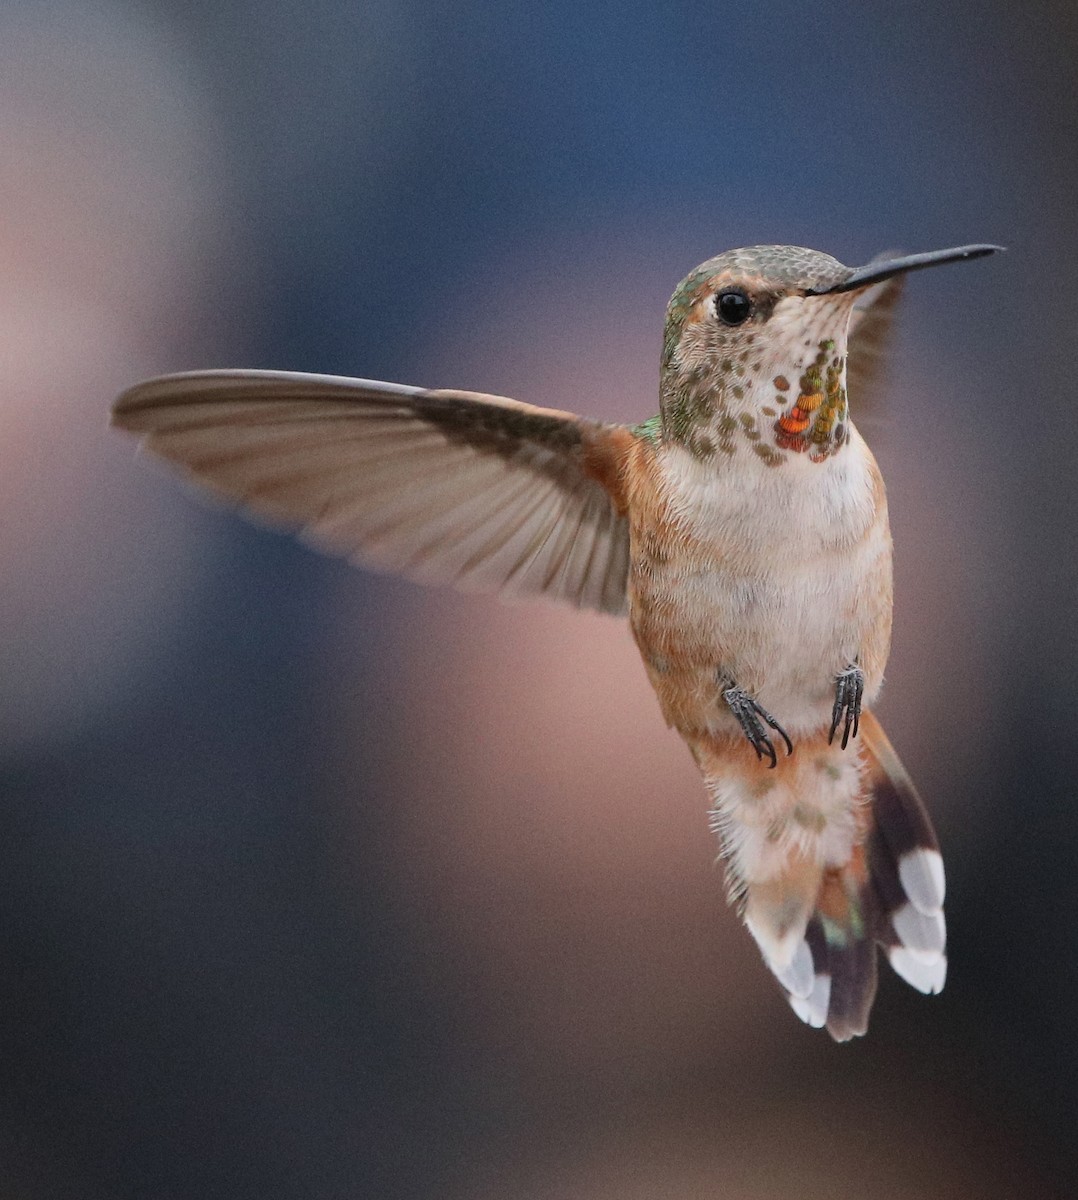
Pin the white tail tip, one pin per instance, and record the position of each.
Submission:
(928, 978)
(920, 872)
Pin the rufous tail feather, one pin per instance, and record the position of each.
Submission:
(829, 855)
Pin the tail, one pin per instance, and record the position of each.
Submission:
(829, 855)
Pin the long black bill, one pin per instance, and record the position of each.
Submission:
(875, 272)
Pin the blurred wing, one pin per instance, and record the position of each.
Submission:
(445, 487)
(871, 330)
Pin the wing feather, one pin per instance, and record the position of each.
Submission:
(479, 491)
(871, 335)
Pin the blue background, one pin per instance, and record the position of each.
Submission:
(248, 946)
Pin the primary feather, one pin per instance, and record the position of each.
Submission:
(445, 487)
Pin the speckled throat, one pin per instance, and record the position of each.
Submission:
(817, 423)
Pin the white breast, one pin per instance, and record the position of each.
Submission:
(790, 585)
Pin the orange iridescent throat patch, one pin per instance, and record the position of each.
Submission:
(816, 424)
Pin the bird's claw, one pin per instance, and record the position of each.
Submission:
(752, 717)
(849, 688)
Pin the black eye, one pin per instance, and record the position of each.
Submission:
(733, 306)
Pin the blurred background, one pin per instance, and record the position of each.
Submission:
(317, 884)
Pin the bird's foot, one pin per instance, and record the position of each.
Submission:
(752, 717)
(849, 688)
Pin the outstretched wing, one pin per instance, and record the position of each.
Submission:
(444, 487)
(871, 332)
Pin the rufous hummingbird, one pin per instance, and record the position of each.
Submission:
(743, 530)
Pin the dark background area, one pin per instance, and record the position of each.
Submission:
(316, 884)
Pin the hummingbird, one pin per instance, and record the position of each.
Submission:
(743, 530)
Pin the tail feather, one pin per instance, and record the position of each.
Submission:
(846, 915)
(813, 1008)
(851, 964)
(843, 978)
(777, 910)
(907, 869)
(836, 856)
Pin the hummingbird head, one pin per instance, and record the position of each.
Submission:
(754, 350)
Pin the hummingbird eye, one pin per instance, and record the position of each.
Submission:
(733, 306)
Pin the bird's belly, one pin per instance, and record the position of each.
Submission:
(782, 633)
(772, 580)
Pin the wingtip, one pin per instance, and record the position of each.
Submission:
(207, 386)
(148, 393)
(124, 404)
